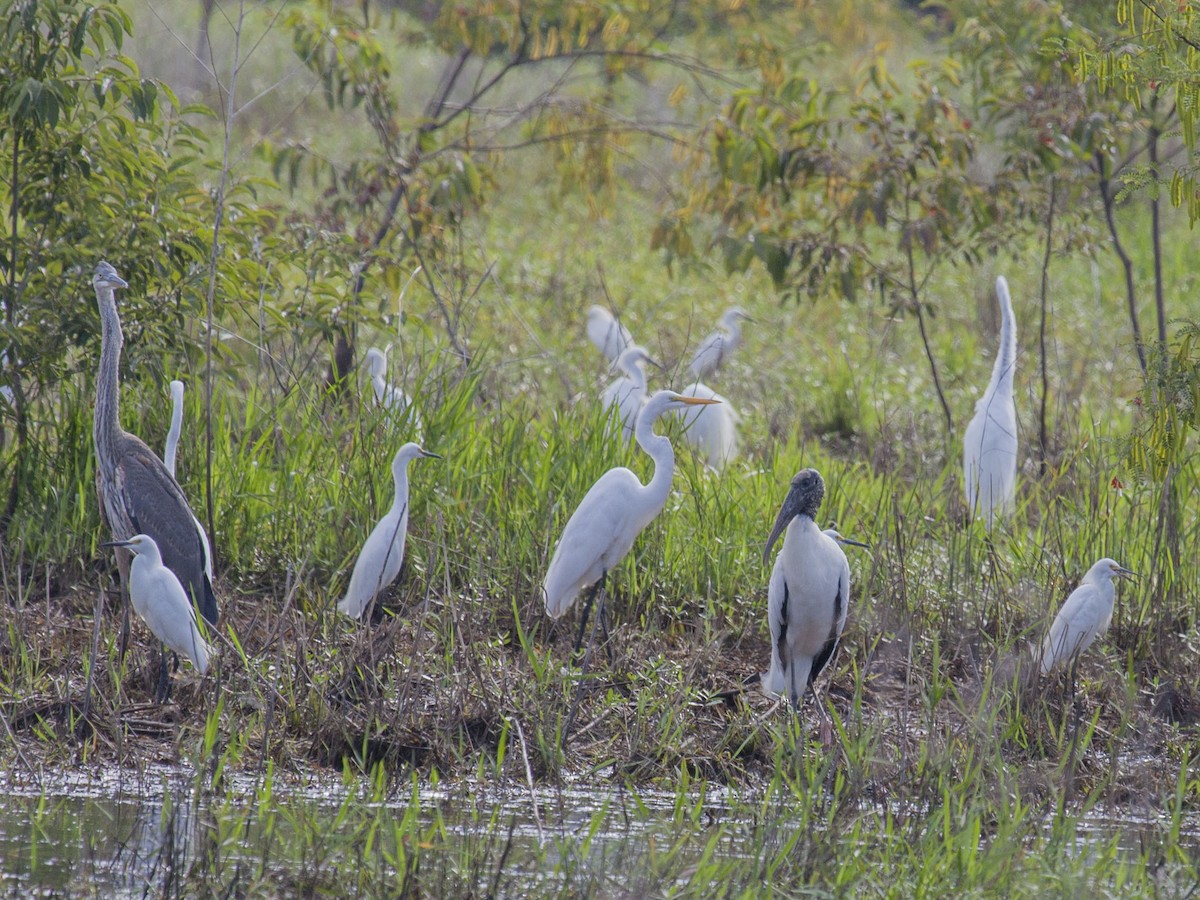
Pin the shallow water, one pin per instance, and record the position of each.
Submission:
(125, 832)
(149, 832)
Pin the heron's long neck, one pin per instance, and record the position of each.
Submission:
(107, 419)
(658, 448)
(1006, 357)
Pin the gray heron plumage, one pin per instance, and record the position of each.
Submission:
(137, 494)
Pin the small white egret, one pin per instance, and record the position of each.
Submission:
(611, 515)
(1084, 617)
(607, 333)
(169, 453)
(990, 441)
(159, 599)
(808, 596)
(378, 562)
(718, 346)
(712, 431)
(628, 393)
(842, 539)
(388, 396)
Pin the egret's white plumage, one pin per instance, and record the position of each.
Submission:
(159, 599)
(809, 593)
(1085, 616)
(607, 333)
(388, 396)
(173, 432)
(711, 430)
(613, 512)
(990, 441)
(628, 393)
(836, 535)
(717, 347)
(378, 562)
(169, 453)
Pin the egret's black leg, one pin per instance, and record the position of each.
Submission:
(587, 609)
(163, 691)
(602, 612)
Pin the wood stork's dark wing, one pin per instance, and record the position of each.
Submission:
(830, 646)
(158, 508)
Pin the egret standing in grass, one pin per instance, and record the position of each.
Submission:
(990, 441)
(607, 333)
(711, 431)
(628, 393)
(169, 453)
(808, 596)
(717, 347)
(159, 599)
(611, 515)
(137, 493)
(378, 562)
(1084, 617)
(387, 396)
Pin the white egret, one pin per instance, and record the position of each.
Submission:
(1084, 617)
(990, 441)
(718, 346)
(378, 562)
(712, 431)
(159, 599)
(607, 333)
(388, 396)
(169, 453)
(628, 393)
(808, 596)
(612, 514)
(842, 539)
(172, 445)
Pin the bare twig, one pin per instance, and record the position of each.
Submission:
(1042, 436)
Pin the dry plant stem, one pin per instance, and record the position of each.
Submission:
(533, 801)
(214, 253)
(97, 616)
(1043, 450)
(1126, 262)
(916, 302)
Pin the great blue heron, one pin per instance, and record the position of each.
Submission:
(717, 347)
(612, 514)
(808, 596)
(711, 431)
(159, 599)
(990, 441)
(378, 562)
(137, 493)
(607, 333)
(628, 393)
(1085, 615)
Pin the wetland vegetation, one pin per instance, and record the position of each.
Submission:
(855, 175)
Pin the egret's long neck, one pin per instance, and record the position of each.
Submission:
(1006, 357)
(658, 448)
(400, 477)
(733, 328)
(637, 375)
(106, 426)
